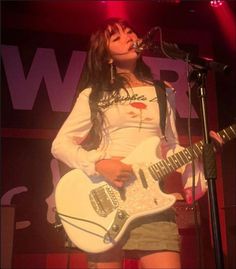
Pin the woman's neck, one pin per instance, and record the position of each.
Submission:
(133, 81)
(128, 73)
(125, 68)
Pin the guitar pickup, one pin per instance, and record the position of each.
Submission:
(143, 178)
(103, 200)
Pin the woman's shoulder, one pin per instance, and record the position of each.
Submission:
(85, 92)
(83, 96)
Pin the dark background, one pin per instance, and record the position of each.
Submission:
(54, 21)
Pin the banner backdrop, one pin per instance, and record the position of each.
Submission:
(40, 73)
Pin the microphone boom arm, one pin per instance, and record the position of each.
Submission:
(171, 50)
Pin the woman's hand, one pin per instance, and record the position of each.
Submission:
(199, 189)
(216, 140)
(114, 171)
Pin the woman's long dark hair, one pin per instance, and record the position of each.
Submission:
(96, 75)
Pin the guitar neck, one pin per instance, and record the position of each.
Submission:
(177, 160)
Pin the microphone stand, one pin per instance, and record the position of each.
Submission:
(209, 164)
(199, 74)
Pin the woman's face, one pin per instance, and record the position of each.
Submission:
(120, 45)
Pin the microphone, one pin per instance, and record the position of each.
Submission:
(147, 42)
(171, 50)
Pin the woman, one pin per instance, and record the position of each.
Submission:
(117, 108)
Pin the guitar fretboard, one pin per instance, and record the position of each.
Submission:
(177, 160)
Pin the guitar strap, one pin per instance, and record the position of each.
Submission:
(161, 97)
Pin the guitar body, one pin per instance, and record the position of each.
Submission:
(95, 215)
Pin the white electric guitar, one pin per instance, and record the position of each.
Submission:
(95, 215)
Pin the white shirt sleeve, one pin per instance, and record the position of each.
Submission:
(66, 146)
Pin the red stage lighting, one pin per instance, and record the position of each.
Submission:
(117, 9)
(216, 3)
(226, 22)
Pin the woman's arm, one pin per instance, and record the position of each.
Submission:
(67, 148)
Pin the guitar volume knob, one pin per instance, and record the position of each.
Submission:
(107, 239)
(120, 214)
(115, 227)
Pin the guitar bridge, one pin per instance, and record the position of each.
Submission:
(103, 200)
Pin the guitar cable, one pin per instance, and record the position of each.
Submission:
(196, 220)
(58, 225)
(84, 220)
